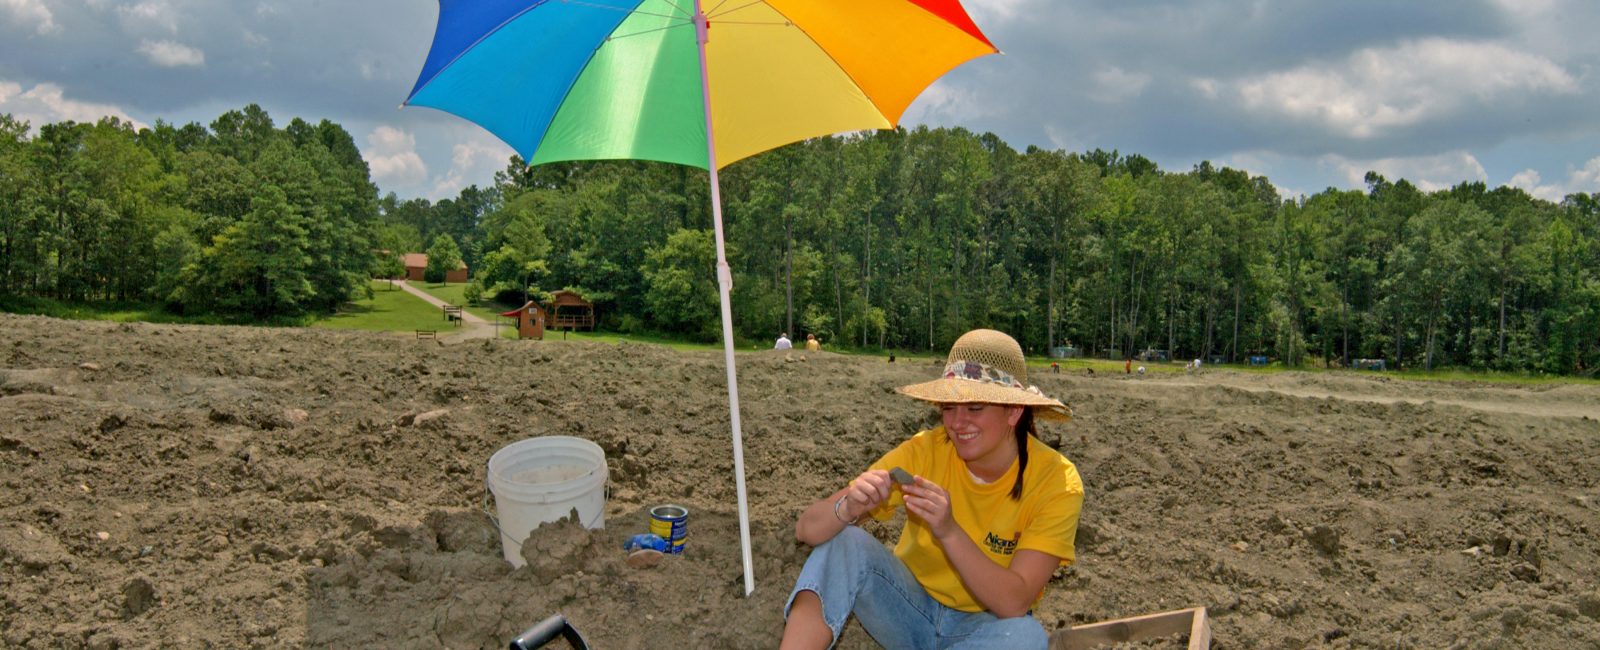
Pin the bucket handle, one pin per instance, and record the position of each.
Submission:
(488, 495)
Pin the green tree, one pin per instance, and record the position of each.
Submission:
(257, 266)
(21, 227)
(682, 294)
(443, 257)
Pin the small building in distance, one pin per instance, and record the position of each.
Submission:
(416, 263)
(569, 310)
(529, 319)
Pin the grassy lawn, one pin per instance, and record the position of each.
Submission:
(1040, 364)
(1456, 374)
(389, 310)
(393, 310)
(122, 312)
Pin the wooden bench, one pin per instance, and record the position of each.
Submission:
(452, 313)
(427, 334)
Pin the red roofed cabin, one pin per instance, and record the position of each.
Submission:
(569, 310)
(417, 262)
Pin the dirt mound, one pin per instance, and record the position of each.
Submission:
(183, 486)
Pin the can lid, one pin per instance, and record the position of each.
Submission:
(669, 511)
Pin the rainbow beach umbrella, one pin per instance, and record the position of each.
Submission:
(680, 82)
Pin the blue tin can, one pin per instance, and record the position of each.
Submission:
(672, 524)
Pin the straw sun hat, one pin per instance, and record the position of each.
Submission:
(987, 367)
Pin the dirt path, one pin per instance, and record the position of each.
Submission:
(472, 327)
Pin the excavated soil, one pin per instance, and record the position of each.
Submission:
(186, 486)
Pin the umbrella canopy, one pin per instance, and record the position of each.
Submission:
(671, 81)
(611, 79)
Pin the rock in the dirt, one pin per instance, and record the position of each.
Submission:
(1525, 572)
(645, 558)
(89, 366)
(295, 416)
(1589, 605)
(138, 596)
(416, 419)
(1324, 538)
(34, 549)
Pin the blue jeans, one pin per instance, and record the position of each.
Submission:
(854, 572)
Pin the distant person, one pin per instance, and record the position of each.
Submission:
(1197, 365)
(990, 514)
(1055, 368)
(812, 344)
(783, 342)
(891, 357)
(1127, 365)
(1141, 370)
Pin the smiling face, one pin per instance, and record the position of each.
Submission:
(984, 435)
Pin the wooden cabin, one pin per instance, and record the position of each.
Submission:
(416, 263)
(569, 310)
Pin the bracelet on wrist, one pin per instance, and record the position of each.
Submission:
(839, 504)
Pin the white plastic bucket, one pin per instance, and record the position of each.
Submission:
(542, 479)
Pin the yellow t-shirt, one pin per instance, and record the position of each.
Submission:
(813, 345)
(1044, 520)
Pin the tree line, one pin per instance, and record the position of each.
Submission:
(897, 239)
(242, 219)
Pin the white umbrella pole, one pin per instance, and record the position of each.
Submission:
(725, 286)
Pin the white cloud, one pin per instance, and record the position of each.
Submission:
(946, 103)
(1113, 84)
(1428, 173)
(473, 159)
(1585, 180)
(1062, 138)
(1376, 91)
(150, 12)
(1529, 181)
(168, 54)
(32, 12)
(47, 104)
(391, 154)
(466, 155)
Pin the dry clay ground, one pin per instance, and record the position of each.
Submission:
(185, 486)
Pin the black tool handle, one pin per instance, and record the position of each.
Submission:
(545, 631)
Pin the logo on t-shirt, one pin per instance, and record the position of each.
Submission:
(999, 546)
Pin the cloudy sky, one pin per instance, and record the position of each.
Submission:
(1310, 93)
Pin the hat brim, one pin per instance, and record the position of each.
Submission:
(948, 390)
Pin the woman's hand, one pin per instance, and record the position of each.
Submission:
(866, 492)
(825, 518)
(927, 500)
